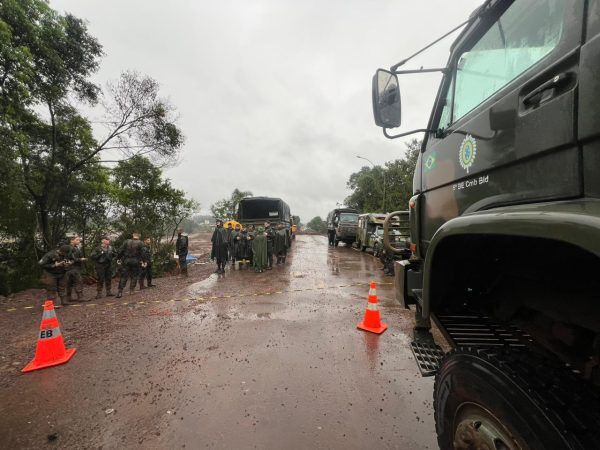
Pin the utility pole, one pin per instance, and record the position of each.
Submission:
(383, 174)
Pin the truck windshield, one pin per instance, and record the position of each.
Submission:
(349, 218)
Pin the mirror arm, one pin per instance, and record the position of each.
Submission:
(444, 70)
(395, 136)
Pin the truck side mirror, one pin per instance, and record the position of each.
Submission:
(387, 108)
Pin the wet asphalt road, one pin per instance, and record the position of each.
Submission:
(278, 364)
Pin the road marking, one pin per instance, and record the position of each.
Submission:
(214, 297)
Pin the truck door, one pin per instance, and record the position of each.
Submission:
(506, 113)
(589, 95)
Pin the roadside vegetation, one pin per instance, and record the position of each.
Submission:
(75, 156)
(368, 185)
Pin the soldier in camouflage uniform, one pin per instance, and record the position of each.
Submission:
(130, 256)
(102, 257)
(270, 233)
(282, 243)
(73, 274)
(55, 264)
(147, 264)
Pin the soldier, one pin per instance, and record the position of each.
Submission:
(130, 257)
(242, 247)
(259, 251)
(249, 238)
(181, 248)
(282, 244)
(219, 246)
(147, 264)
(74, 271)
(55, 264)
(234, 243)
(102, 257)
(270, 234)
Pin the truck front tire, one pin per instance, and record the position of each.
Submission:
(490, 398)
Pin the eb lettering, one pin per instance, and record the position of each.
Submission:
(44, 334)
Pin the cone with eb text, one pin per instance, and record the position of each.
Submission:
(372, 321)
(50, 350)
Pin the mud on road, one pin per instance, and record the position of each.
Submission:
(240, 360)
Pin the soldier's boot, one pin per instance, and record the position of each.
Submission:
(142, 284)
(109, 289)
(120, 293)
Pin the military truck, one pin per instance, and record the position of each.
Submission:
(341, 226)
(505, 227)
(369, 233)
(257, 210)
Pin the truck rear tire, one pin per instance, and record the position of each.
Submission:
(497, 399)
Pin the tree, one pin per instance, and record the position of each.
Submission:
(227, 208)
(317, 224)
(46, 65)
(145, 202)
(52, 178)
(367, 183)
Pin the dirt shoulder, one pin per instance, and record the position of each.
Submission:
(83, 323)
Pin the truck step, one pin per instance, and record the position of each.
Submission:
(428, 357)
(474, 330)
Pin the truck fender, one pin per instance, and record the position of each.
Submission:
(575, 222)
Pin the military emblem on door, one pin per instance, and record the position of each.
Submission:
(467, 152)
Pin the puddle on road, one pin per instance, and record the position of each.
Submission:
(203, 286)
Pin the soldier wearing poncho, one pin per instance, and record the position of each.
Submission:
(219, 247)
(259, 250)
(249, 238)
(234, 244)
(281, 243)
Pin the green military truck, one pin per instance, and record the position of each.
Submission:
(341, 226)
(505, 227)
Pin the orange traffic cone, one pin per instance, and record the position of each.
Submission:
(50, 350)
(372, 321)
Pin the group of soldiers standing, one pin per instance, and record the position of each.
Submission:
(63, 266)
(249, 246)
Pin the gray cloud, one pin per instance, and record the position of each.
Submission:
(274, 96)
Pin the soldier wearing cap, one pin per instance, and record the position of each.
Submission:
(55, 264)
(130, 256)
(74, 279)
(103, 256)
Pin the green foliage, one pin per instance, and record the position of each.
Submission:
(317, 224)
(368, 183)
(226, 209)
(145, 202)
(52, 179)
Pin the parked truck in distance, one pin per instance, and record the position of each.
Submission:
(341, 226)
(505, 227)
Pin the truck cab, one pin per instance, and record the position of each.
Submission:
(505, 227)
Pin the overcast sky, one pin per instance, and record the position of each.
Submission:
(274, 96)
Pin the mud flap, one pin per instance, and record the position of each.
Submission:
(428, 357)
